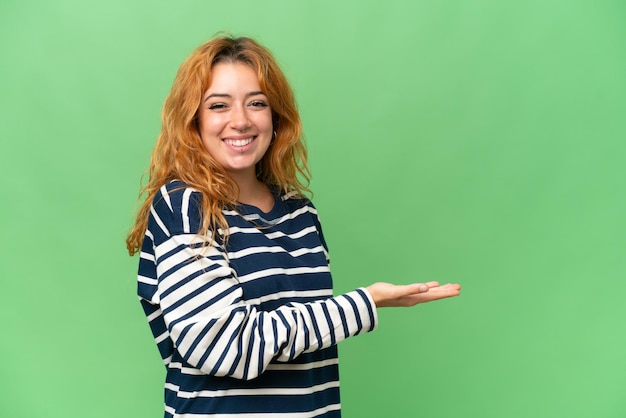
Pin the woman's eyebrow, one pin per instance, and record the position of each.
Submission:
(252, 93)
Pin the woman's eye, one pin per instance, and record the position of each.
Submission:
(258, 103)
(217, 106)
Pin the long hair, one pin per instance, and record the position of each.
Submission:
(180, 153)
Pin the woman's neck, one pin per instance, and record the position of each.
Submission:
(255, 193)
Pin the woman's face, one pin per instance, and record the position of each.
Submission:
(235, 119)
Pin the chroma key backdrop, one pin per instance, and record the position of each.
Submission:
(478, 141)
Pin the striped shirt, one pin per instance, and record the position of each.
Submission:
(250, 329)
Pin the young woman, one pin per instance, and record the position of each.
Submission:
(233, 269)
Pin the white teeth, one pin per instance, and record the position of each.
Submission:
(238, 142)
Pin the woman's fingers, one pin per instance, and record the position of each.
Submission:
(410, 289)
(435, 293)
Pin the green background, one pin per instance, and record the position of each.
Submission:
(475, 141)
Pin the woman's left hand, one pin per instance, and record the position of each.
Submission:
(391, 295)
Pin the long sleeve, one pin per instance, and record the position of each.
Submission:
(204, 311)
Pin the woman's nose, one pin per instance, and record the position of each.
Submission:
(239, 120)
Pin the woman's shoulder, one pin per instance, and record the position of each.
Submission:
(176, 191)
(176, 196)
(176, 186)
(176, 207)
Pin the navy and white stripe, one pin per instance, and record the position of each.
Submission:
(251, 328)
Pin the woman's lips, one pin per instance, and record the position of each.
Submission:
(239, 144)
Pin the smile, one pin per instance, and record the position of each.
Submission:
(239, 142)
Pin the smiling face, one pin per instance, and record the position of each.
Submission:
(235, 119)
